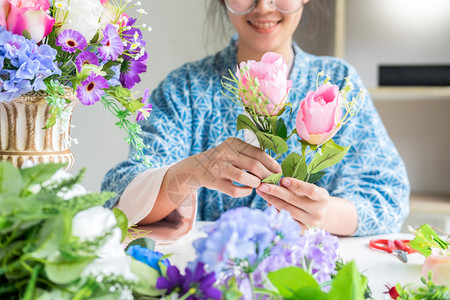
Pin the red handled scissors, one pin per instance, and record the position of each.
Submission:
(397, 247)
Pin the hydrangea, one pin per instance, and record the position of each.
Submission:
(243, 237)
(315, 251)
(23, 65)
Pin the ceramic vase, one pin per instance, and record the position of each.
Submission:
(22, 136)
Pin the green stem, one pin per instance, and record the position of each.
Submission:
(252, 285)
(29, 291)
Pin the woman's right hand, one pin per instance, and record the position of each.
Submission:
(216, 169)
(233, 161)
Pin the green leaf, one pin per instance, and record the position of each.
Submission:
(134, 105)
(49, 237)
(294, 165)
(122, 92)
(39, 173)
(331, 155)
(291, 279)
(143, 242)
(347, 284)
(273, 179)
(313, 178)
(146, 278)
(64, 272)
(11, 182)
(281, 129)
(231, 290)
(122, 222)
(310, 293)
(26, 34)
(272, 142)
(425, 239)
(244, 122)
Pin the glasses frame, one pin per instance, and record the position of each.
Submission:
(272, 2)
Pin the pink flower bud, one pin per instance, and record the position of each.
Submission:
(319, 115)
(271, 74)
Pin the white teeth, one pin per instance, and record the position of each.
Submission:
(263, 25)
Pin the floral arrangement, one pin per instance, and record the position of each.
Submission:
(435, 269)
(58, 242)
(262, 89)
(91, 46)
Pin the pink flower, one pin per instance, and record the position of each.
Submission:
(271, 73)
(319, 115)
(29, 15)
(439, 265)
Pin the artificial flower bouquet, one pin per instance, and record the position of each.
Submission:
(91, 46)
(262, 88)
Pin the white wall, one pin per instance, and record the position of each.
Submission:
(176, 38)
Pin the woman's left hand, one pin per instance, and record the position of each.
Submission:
(306, 202)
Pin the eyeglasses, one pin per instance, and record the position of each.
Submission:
(242, 7)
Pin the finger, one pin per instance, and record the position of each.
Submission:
(297, 213)
(255, 153)
(240, 176)
(283, 193)
(307, 189)
(232, 190)
(253, 166)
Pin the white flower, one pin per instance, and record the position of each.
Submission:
(93, 223)
(118, 266)
(84, 16)
(141, 11)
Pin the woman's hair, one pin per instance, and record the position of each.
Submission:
(219, 29)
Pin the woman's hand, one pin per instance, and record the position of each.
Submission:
(233, 160)
(311, 205)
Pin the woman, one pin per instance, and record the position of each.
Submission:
(196, 159)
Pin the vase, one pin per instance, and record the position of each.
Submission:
(22, 136)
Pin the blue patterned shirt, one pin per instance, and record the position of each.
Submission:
(190, 115)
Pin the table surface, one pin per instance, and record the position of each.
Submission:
(380, 268)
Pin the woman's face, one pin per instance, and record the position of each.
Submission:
(265, 29)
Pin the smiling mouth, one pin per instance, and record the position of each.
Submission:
(263, 25)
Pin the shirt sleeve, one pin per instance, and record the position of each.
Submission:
(372, 175)
(168, 137)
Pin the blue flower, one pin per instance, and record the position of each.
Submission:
(147, 256)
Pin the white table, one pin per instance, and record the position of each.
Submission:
(379, 267)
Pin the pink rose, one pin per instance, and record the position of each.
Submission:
(439, 265)
(29, 15)
(319, 115)
(272, 73)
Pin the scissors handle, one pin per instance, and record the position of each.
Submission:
(390, 245)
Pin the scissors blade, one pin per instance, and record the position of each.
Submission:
(401, 255)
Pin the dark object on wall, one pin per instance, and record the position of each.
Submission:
(414, 75)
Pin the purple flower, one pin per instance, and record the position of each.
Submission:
(91, 89)
(147, 108)
(130, 70)
(112, 45)
(133, 36)
(315, 251)
(71, 40)
(148, 257)
(85, 58)
(195, 281)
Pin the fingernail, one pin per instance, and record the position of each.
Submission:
(263, 188)
(286, 182)
(279, 170)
